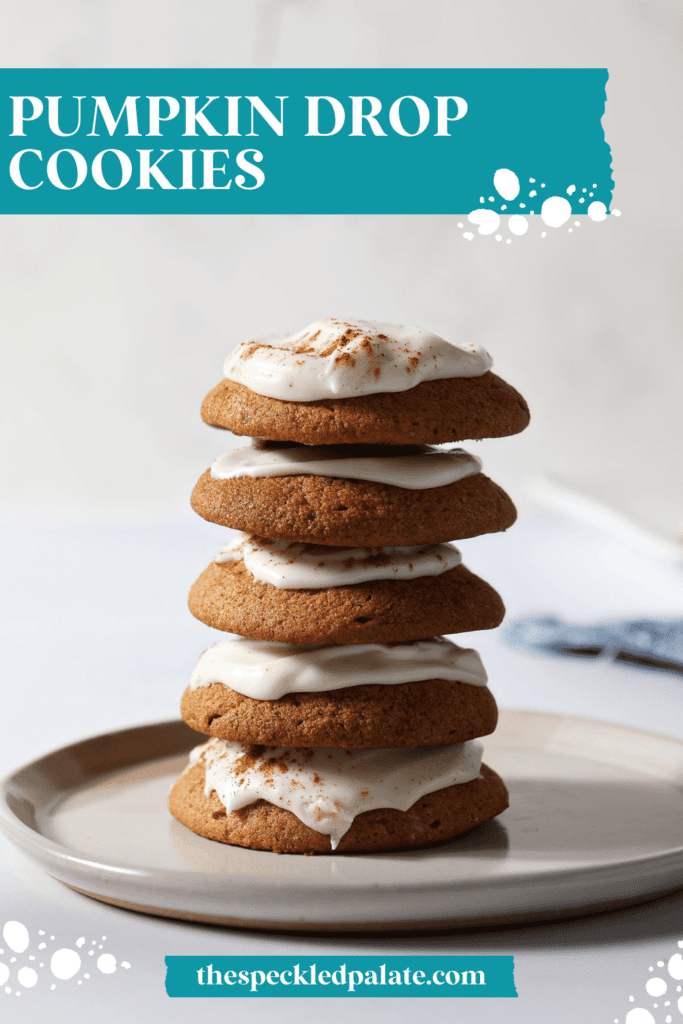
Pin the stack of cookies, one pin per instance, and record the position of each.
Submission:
(340, 718)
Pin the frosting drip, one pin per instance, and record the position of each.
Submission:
(291, 566)
(267, 670)
(413, 467)
(326, 789)
(347, 358)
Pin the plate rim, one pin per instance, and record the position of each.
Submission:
(46, 851)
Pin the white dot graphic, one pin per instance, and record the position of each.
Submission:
(27, 977)
(597, 211)
(518, 225)
(655, 987)
(675, 967)
(639, 1016)
(106, 963)
(468, 235)
(499, 238)
(532, 193)
(506, 183)
(79, 942)
(15, 935)
(487, 221)
(65, 963)
(125, 964)
(571, 190)
(555, 211)
(4, 973)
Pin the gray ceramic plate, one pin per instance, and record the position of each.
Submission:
(595, 822)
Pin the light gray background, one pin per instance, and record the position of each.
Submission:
(113, 330)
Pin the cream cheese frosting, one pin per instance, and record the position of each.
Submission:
(292, 566)
(413, 467)
(267, 670)
(334, 358)
(326, 789)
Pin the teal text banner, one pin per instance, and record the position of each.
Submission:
(300, 141)
(405, 977)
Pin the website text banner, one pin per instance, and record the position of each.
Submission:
(299, 141)
(339, 976)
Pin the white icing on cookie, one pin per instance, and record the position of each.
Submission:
(267, 670)
(347, 358)
(292, 566)
(326, 788)
(413, 467)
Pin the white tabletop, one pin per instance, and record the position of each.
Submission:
(96, 635)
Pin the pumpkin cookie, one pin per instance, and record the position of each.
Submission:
(261, 825)
(325, 510)
(226, 596)
(433, 412)
(430, 712)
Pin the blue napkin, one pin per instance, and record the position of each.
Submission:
(652, 643)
